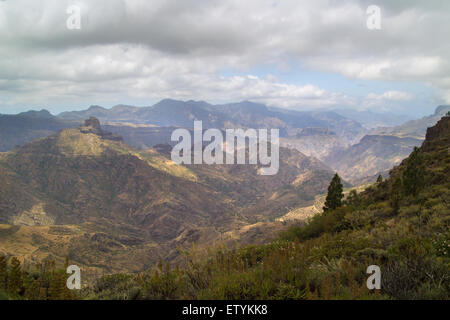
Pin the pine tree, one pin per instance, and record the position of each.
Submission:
(353, 199)
(3, 272)
(335, 194)
(66, 263)
(57, 287)
(15, 279)
(413, 176)
(395, 194)
(33, 290)
(380, 179)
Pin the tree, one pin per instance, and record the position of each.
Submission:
(395, 194)
(335, 194)
(15, 281)
(33, 290)
(3, 272)
(380, 179)
(413, 176)
(57, 289)
(353, 199)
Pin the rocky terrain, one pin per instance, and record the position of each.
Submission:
(85, 194)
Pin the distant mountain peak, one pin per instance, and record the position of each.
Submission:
(95, 107)
(442, 109)
(36, 114)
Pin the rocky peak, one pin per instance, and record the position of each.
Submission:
(438, 131)
(93, 122)
(44, 114)
(92, 125)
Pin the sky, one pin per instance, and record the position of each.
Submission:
(303, 55)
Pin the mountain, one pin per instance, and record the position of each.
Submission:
(371, 156)
(145, 127)
(379, 151)
(372, 120)
(114, 114)
(27, 126)
(315, 142)
(415, 128)
(401, 236)
(148, 126)
(84, 193)
(246, 114)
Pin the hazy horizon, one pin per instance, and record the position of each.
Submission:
(323, 109)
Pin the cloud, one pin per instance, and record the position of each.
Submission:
(392, 96)
(136, 49)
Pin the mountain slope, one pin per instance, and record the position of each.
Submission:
(406, 235)
(117, 202)
(245, 114)
(27, 126)
(372, 155)
(372, 120)
(315, 142)
(415, 128)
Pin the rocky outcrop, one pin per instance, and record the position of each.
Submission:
(437, 134)
(92, 125)
(439, 130)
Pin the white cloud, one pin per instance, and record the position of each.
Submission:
(391, 95)
(166, 48)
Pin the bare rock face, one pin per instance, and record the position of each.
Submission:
(439, 130)
(93, 122)
(438, 135)
(92, 125)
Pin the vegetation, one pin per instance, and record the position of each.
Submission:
(395, 224)
(402, 229)
(380, 178)
(335, 194)
(39, 282)
(414, 173)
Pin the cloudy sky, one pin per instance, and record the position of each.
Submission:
(293, 54)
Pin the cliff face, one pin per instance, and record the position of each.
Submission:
(92, 125)
(439, 131)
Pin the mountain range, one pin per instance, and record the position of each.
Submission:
(414, 128)
(329, 136)
(398, 227)
(109, 197)
(85, 194)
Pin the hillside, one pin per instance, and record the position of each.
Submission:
(245, 114)
(85, 194)
(378, 152)
(372, 120)
(415, 128)
(24, 127)
(398, 224)
(371, 156)
(315, 142)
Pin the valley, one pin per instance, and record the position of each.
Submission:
(108, 196)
